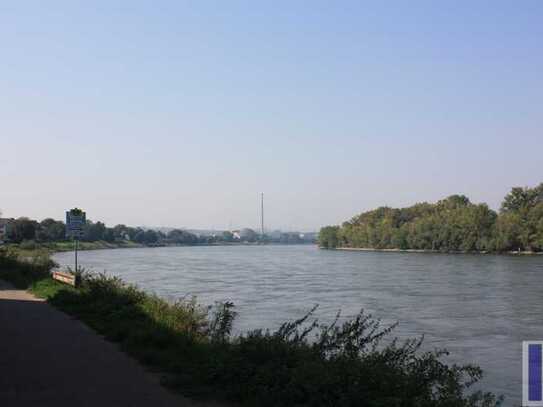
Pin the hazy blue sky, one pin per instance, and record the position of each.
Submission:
(180, 113)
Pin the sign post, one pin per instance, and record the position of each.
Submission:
(76, 247)
(75, 220)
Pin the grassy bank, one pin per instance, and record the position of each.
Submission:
(69, 246)
(370, 249)
(303, 363)
(66, 246)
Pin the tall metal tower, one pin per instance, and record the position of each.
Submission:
(262, 214)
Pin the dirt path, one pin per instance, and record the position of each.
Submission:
(50, 359)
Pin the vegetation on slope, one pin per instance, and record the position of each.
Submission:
(452, 224)
(303, 363)
(23, 267)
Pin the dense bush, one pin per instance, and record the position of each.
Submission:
(452, 224)
(23, 267)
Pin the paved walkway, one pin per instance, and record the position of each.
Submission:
(50, 359)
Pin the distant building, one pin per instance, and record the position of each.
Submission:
(275, 235)
(4, 224)
(247, 234)
(290, 238)
(309, 237)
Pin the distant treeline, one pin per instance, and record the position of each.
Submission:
(50, 230)
(450, 225)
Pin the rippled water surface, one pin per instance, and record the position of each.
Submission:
(480, 307)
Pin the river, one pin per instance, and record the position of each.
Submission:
(479, 307)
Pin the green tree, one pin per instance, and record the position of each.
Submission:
(227, 236)
(150, 236)
(179, 236)
(109, 235)
(328, 237)
(94, 231)
(525, 204)
(121, 232)
(522, 199)
(451, 224)
(22, 229)
(138, 236)
(51, 230)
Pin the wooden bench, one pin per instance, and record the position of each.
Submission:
(64, 277)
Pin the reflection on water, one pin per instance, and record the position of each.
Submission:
(480, 307)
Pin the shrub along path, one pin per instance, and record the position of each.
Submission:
(50, 359)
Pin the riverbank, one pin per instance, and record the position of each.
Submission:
(98, 245)
(369, 249)
(191, 346)
(68, 246)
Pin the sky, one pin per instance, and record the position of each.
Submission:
(180, 114)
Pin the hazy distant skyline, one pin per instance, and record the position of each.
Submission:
(170, 114)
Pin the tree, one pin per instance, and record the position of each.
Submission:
(132, 232)
(453, 202)
(139, 236)
(121, 232)
(539, 234)
(451, 224)
(227, 236)
(522, 199)
(179, 236)
(94, 231)
(150, 236)
(328, 237)
(507, 232)
(22, 229)
(109, 235)
(51, 230)
(525, 207)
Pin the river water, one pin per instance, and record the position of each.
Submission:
(479, 307)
